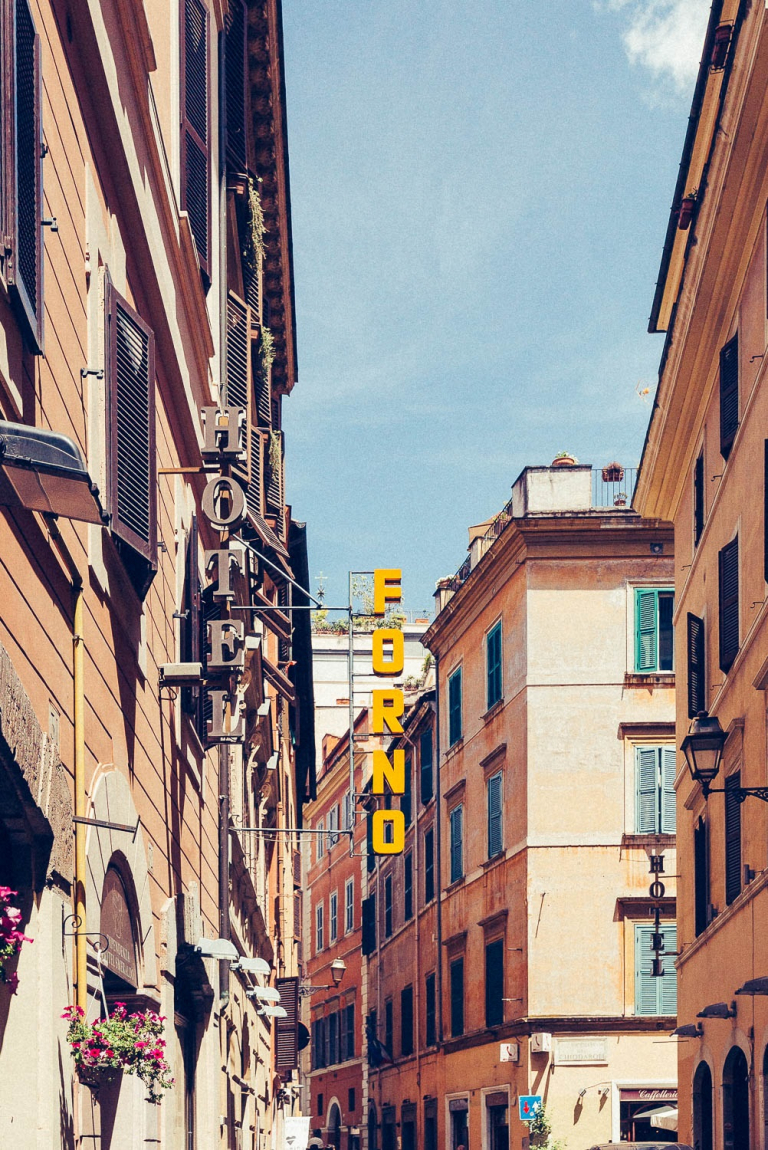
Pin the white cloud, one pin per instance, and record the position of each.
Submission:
(664, 36)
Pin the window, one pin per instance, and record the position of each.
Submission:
(333, 826)
(454, 707)
(729, 604)
(697, 679)
(195, 160)
(429, 865)
(457, 997)
(131, 465)
(21, 182)
(389, 1026)
(494, 983)
(320, 839)
(406, 799)
(351, 1094)
(698, 499)
(425, 756)
(493, 665)
(369, 924)
(701, 876)
(654, 995)
(729, 395)
(333, 1031)
(333, 918)
(320, 1110)
(347, 821)
(653, 629)
(655, 790)
(457, 842)
(408, 886)
(406, 1021)
(349, 905)
(319, 940)
(495, 795)
(430, 1004)
(347, 1023)
(732, 837)
(318, 1052)
(388, 906)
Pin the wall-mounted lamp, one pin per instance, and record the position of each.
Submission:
(703, 749)
(718, 1010)
(754, 986)
(690, 1030)
(219, 948)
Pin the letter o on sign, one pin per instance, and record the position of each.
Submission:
(221, 486)
(382, 820)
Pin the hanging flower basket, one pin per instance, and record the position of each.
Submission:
(11, 938)
(613, 473)
(122, 1043)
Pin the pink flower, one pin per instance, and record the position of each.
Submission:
(13, 982)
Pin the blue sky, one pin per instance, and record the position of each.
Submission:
(479, 197)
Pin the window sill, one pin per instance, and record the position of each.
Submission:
(640, 679)
(493, 711)
(452, 886)
(642, 840)
(454, 747)
(490, 863)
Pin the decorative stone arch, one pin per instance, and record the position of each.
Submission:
(112, 801)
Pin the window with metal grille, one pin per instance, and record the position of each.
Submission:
(654, 633)
(429, 865)
(697, 678)
(195, 159)
(406, 1021)
(729, 603)
(388, 906)
(430, 1009)
(732, 837)
(457, 842)
(21, 162)
(494, 982)
(426, 759)
(493, 666)
(454, 707)
(408, 886)
(287, 1029)
(457, 997)
(495, 800)
(729, 395)
(655, 790)
(236, 74)
(131, 463)
(698, 499)
(654, 994)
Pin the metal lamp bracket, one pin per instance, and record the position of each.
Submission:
(127, 827)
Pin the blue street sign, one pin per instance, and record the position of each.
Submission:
(530, 1104)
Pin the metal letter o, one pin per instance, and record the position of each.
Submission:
(213, 492)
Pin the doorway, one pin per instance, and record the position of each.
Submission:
(702, 1107)
(736, 1101)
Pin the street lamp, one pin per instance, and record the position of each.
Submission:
(703, 749)
(338, 970)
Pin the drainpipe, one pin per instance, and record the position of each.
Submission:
(438, 856)
(78, 708)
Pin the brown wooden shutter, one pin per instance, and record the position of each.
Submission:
(287, 1029)
(729, 395)
(130, 380)
(274, 472)
(195, 158)
(239, 388)
(732, 838)
(236, 73)
(264, 394)
(697, 695)
(729, 604)
(22, 157)
(698, 499)
(254, 496)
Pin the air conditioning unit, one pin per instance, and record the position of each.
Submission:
(541, 1042)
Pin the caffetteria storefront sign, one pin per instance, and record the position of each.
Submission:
(387, 707)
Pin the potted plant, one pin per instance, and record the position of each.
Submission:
(564, 459)
(121, 1043)
(613, 473)
(11, 938)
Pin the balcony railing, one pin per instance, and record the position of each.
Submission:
(613, 486)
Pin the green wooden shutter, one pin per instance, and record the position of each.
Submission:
(655, 995)
(646, 630)
(408, 886)
(495, 796)
(697, 696)
(406, 1020)
(668, 771)
(406, 799)
(457, 834)
(494, 982)
(369, 924)
(425, 755)
(430, 1001)
(454, 707)
(429, 865)
(493, 665)
(668, 982)
(646, 790)
(457, 997)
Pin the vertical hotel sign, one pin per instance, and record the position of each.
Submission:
(387, 707)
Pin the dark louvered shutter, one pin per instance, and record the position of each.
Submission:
(406, 1021)
(254, 496)
(729, 604)
(274, 470)
(191, 638)
(210, 609)
(697, 697)
(195, 193)
(430, 1006)
(701, 876)
(729, 395)
(494, 982)
(349, 1010)
(287, 1029)
(236, 45)
(263, 383)
(425, 756)
(429, 865)
(369, 924)
(732, 837)
(698, 499)
(239, 372)
(132, 484)
(23, 178)
(457, 997)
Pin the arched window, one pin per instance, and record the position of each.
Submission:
(702, 1107)
(736, 1101)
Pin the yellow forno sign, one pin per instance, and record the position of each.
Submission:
(387, 707)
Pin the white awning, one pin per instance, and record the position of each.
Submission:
(662, 1117)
